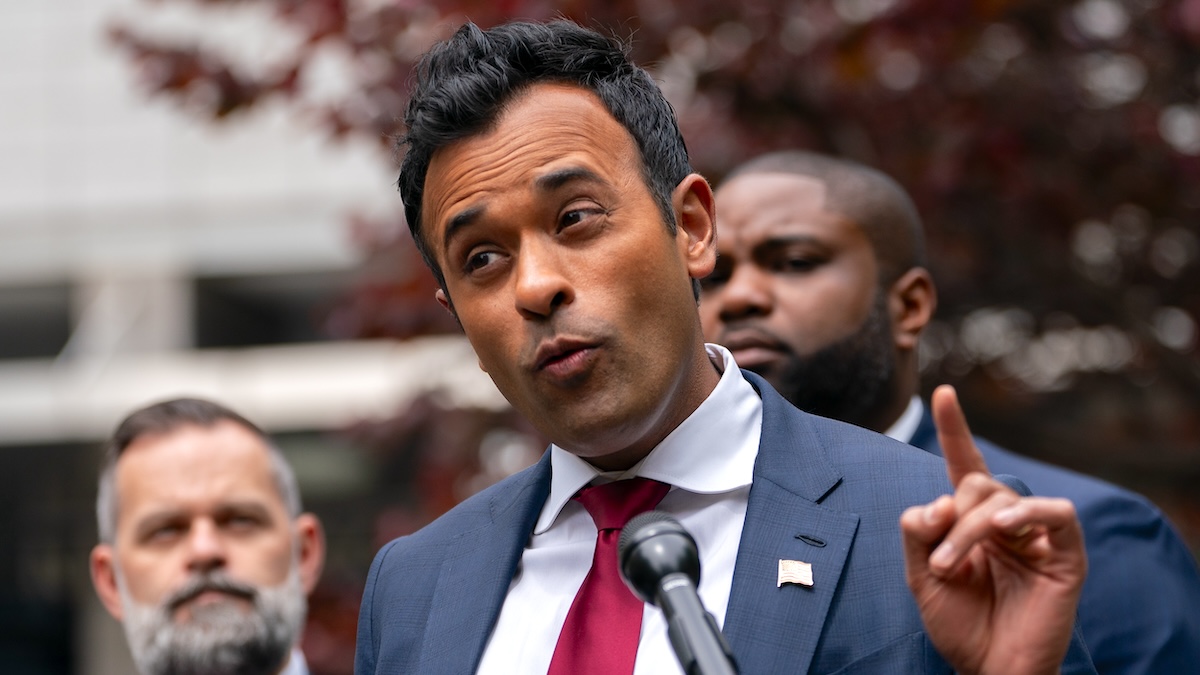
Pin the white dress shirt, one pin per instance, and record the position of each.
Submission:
(709, 462)
(296, 664)
(904, 428)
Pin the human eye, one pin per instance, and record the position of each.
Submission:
(242, 520)
(242, 523)
(796, 261)
(797, 264)
(579, 213)
(163, 533)
(480, 259)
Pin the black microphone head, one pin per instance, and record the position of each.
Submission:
(652, 546)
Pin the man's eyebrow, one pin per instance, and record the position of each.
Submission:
(780, 241)
(253, 508)
(544, 183)
(243, 505)
(786, 239)
(148, 522)
(460, 220)
(560, 177)
(159, 515)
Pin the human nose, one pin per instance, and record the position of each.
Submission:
(541, 282)
(206, 547)
(746, 293)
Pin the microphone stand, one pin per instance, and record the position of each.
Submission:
(660, 564)
(695, 636)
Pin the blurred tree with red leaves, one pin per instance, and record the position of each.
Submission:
(1053, 149)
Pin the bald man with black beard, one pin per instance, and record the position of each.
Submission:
(821, 287)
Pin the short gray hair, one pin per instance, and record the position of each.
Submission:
(167, 416)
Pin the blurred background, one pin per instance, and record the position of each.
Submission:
(197, 197)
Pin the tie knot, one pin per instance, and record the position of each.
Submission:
(611, 505)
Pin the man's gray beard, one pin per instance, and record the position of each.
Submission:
(221, 638)
(850, 380)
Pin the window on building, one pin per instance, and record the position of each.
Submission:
(245, 311)
(34, 320)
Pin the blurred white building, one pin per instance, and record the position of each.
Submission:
(146, 255)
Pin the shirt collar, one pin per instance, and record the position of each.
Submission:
(296, 664)
(904, 428)
(712, 451)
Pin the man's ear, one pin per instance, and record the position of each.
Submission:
(696, 224)
(912, 300)
(444, 301)
(104, 579)
(311, 552)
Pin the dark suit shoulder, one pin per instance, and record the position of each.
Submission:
(1054, 481)
(797, 441)
(1138, 608)
(446, 575)
(854, 445)
(482, 508)
(871, 468)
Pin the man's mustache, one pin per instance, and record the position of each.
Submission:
(742, 334)
(202, 583)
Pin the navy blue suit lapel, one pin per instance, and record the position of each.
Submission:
(773, 629)
(478, 569)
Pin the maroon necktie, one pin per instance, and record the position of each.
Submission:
(604, 623)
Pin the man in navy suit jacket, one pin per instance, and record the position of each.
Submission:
(547, 185)
(820, 286)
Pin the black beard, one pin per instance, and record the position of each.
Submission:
(850, 380)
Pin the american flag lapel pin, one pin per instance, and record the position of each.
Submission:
(795, 572)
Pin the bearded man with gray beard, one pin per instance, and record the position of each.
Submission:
(205, 555)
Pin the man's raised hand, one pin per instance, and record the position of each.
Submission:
(996, 576)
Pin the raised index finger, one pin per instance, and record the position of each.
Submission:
(958, 447)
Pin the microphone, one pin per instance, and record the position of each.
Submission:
(659, 562)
